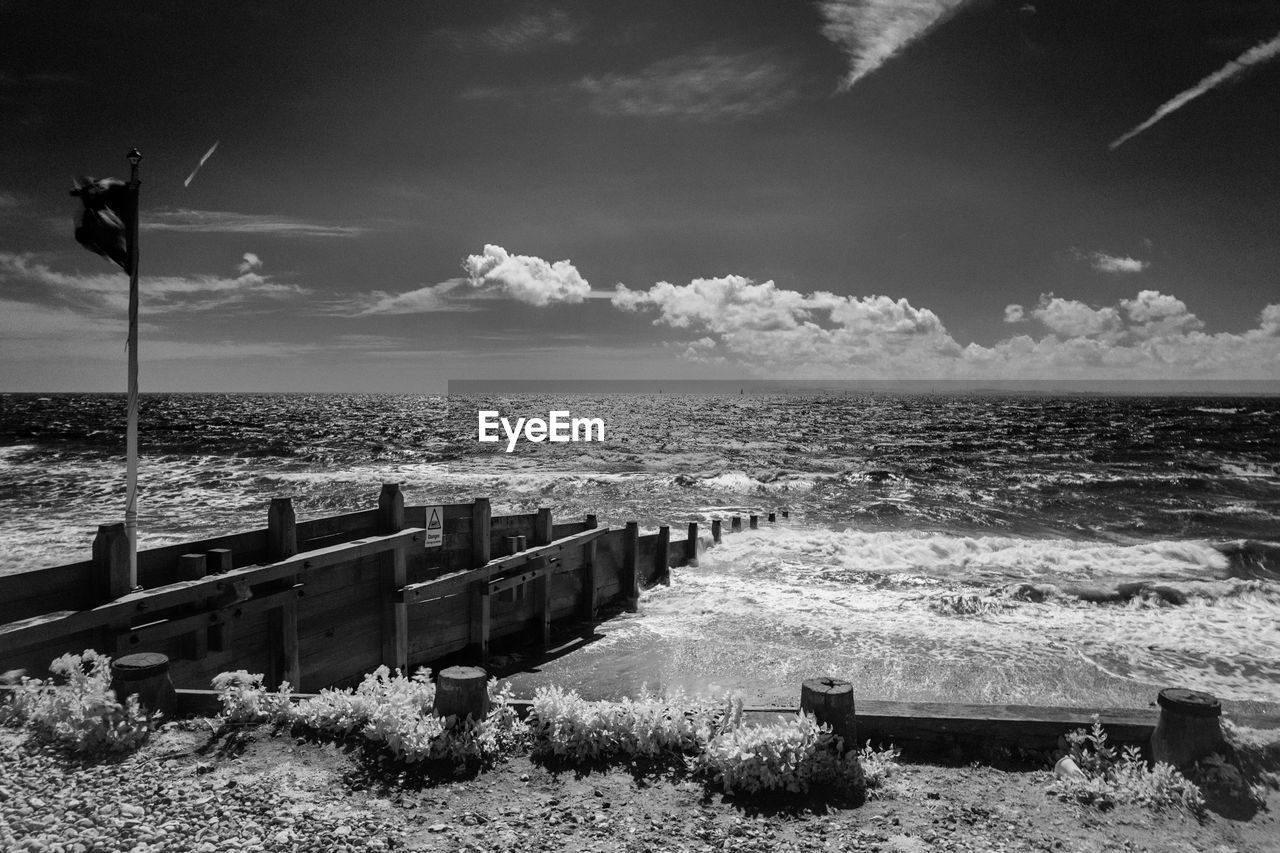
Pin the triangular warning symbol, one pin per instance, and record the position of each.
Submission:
(434, 523)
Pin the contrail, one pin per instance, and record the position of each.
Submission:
(873, 31)
(206, 156)
(1253, 56)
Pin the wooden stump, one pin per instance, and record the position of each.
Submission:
(755, 522)
(462, 691)
(831, 701)
(735, 523)
(715, 530)
(773, 516)
(1188, 728)
(147, 675)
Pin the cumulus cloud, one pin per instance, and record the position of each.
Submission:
(1116, 264)
(249, 263)
(1255, 55)
(525, 278)
(870, 32)
(777, 332)
(704, 86)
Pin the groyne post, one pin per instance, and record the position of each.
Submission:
(282, 621)
(735, 524)
(773, 517)
(393, 576)
(542, 527)
(217, 561)
(691, 545)
(786, 513)
(830, 700)
(755, 522)
(662, 556)
(591, 574)
(630, 565)
(480, 532)
(112, 578)
(192, 567)
(542, 601)
(462, 691)
(715, 530)
(147, 675)
(1189, 727)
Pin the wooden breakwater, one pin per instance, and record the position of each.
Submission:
(323, 601)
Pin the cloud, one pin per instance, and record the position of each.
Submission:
(9, 201)
(249, 263)
(1115, 264)
(424, 300)
(25, 275)
(1255, 55)
(525, 33)
(525, 278)
(225, 222)
(709, 86)
(771, 331)
(871, 32)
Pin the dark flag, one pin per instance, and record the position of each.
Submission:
(107, 209)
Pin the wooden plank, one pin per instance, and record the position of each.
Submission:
(395, 615)
(481, 623)
(480, 539)
(458, 582)
(41, 590)
(513, 581)
(51, 626)
(542, 609)
(542, 527)
(165, 629)
(351, 524)
(590, 582)
(282, 628)
(560, 531)
(502, 526)
(155, 566)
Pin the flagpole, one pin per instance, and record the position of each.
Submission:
(131, 498)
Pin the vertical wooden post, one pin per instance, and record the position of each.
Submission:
(735, 524)
(1188, 728)
(462, 691)
(393, 573)
(218, 560)
(663, 556)
(282, 534)
(480, 532)
(715, 530)
(110, 562)
(522, 543)
(282, 622)
(590, 582)
(592, 524)
(831, 701)
(480, 621)
(773, 517)
(786, 513)
(513, 544)
(630, 565)
(755, 522)
(542, 602)
(195, 646)
(691, 545)
(542, 527)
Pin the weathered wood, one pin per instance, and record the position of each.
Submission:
(462, 691)
(218, 560)
(663, 555)
(458, 582)
(166, 629)
(755, 522)
(559, 531)
(542, 527)
(1188, 728)
(715, 530)
(390, 508)
(112, 577)
(773, 517)
(145, 675)
(830, 700)
(735, 524)
(542, 608)
(786, 513)
(395, 615)
(631, 565)
(282, 529)
(591, 521)
(190, 567)
(50, 626)
(195, 645)
(590, 582)
(691, 546)
(480, 517)
(282, 656)
(513, 581)
(522, 542)
(481, 622)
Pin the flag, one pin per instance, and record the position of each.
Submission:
(107, 209)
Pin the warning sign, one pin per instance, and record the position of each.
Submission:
(435, 527)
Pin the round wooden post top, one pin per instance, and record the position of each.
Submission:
(1191, 703)
(462, 673)
(828, 685)
(139, 666)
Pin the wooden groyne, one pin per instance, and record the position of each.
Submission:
(322, 602)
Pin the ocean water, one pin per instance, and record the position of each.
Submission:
(1080, 550)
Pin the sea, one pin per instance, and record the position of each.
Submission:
(998, 548)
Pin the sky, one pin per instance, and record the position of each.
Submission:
(383, 197)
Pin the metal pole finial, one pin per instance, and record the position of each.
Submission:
(134, 156)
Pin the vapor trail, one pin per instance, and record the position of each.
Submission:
(871, 32)
(206, 156)
(1253, 56)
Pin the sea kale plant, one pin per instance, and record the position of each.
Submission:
(565, 726)
(1112, 776)
(77, 709)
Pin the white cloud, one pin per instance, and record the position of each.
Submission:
(226, 222)
(526, 278)
(524, 33)
(707, 86)
(249, 263)
(784, 333)
(870, 32)
(1255, 55)
(1118, 264)
(424, 300)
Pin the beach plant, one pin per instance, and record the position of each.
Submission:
(793, 755)
(245, 700)
(565, 726)
(1111, 776)
(878, 768)
(77, 710)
